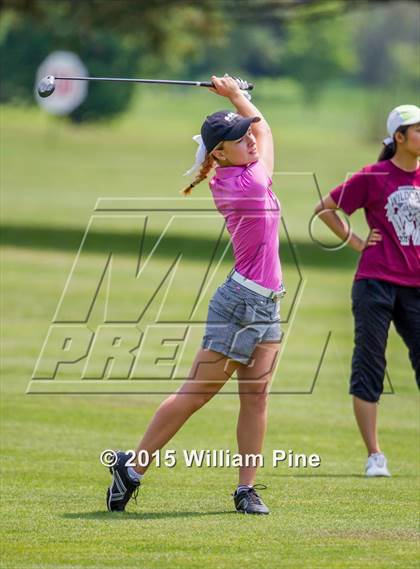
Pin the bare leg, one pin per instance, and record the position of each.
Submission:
(366, 417)
(208, 374)
(253, 385)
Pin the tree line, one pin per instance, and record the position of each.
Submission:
(313, 42)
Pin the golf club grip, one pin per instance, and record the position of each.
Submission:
(249, 86)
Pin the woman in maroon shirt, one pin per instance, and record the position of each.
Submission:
(387, 281)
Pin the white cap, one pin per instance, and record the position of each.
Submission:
(403, 115)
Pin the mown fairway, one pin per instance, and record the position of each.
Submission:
(53, 497)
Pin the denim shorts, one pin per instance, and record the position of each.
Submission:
(238, 319)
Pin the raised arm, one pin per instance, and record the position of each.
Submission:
(227, 87)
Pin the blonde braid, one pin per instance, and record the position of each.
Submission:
(206, 166)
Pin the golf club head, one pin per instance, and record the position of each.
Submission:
(46, 86)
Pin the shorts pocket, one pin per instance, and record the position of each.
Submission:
(229, 308)
(275, 316)
(255, 314)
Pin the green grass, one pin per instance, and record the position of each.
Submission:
(53, 486)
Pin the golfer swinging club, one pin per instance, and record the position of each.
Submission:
(387, 282)
(243, 325)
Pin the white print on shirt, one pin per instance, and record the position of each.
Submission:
(403, 211)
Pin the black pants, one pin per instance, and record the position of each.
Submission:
(375, 304)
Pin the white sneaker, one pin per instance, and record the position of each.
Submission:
(376, 465)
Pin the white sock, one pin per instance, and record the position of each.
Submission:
(242, 487)
(133, 474)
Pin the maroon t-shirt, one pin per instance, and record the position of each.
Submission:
(391, 200)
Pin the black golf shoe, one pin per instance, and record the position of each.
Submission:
(122, 487)
(247, 501)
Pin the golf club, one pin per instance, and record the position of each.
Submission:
(46, 86)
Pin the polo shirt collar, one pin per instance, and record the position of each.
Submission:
(229, 171)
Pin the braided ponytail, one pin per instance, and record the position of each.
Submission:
(206, 166)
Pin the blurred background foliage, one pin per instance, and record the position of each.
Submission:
(307, 44)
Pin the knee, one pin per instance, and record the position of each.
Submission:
(254, 403)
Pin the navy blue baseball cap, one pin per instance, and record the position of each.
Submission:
(224, 125)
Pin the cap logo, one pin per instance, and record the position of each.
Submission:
(230, 117)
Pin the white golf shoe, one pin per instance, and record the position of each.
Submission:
(376, 465)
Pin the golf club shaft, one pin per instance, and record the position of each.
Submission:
(249, 87)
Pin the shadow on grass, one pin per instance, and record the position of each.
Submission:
(121, 516)
(320, 475)
(192, 248)
(344, 476)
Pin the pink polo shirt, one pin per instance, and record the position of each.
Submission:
(243, 196)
